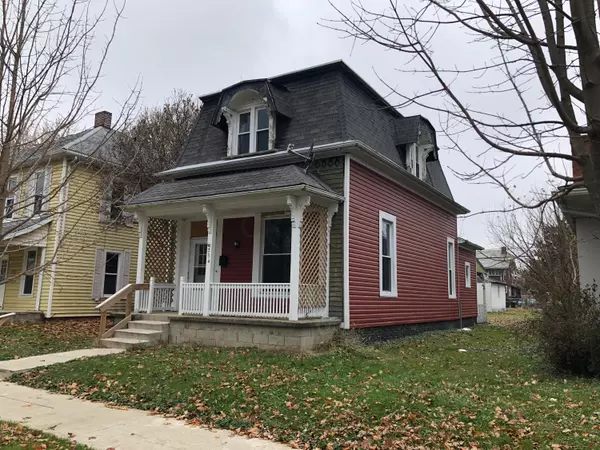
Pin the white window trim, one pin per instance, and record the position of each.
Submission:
(192, 257)
(262, 243)
(12, 196)
(394, 256)
(468, 279)
(22, 287)
(451, 264)
(253, 110)
(119, 270)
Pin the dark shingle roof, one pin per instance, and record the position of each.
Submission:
(407, 130)
(319, 106)
(230, 183)
(22, 224)
(93, 143)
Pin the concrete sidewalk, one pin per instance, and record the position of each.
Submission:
(8, 367)
(100, 427)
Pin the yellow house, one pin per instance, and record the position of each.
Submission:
(65, 245)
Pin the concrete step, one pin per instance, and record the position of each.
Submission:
(119, 342)
(140, 334)
(156, 317)
(154, 325)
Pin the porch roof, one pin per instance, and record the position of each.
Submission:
(267, 178)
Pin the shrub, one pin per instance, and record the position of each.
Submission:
(569, 328)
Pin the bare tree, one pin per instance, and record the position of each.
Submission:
(153, 142)
(543, 55)
(51, 58)
(544, 247)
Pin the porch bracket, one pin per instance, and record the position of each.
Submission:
(211, 240)
(297, 206)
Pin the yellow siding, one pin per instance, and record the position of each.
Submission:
(83, 235)
(53, 206)
(13, 300)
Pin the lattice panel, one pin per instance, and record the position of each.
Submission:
(313, 258)
(160, 250)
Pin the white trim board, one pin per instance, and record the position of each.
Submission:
(346, 322)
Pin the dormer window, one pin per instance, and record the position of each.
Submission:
(253, 131)
(250, 122)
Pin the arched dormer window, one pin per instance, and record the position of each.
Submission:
(250, 123)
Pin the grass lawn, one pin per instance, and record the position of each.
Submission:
(14, 436)
(19, 340)
(423, 392)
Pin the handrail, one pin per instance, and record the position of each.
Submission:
(124, 292)
(4, 318)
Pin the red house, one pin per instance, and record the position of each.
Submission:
(301, 204)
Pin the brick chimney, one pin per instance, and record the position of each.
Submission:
(103, 119)
(503, 250)
(576, 168)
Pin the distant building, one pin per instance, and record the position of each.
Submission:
(499, 266)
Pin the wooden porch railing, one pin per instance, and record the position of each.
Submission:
(125, 292)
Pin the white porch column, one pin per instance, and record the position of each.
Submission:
(178, 248)
(211, 240)
(297, 206)
(141, 261)
(331, 210)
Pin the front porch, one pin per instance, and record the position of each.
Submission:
(255, 256)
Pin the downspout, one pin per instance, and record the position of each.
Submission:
(458, 291)
(57, 235)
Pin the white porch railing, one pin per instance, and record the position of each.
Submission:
(191, 298)
(250, 299)
(267, 300)
(158, 297)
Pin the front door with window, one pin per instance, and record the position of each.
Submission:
(197, 268)
(3, 276)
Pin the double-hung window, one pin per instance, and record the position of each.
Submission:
(277, 250)
(111, 273)
(451, 264)
(38, 195)
(9, 205)
(28, 272)
(467, 275)
(388, 274)
(252, 131)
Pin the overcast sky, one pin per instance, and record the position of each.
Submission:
(204, 46)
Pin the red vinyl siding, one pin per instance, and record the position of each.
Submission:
(422, 229)
(239, 267)
(468, 296)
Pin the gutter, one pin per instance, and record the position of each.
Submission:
(356, 148)
(208, 198)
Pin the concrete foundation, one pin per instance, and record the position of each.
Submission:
(268, 334)
(25, 316)
(376, 335)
